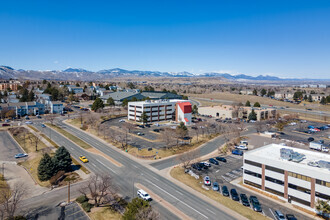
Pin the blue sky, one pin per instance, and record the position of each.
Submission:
(281, 38)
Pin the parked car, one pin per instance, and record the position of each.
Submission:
(83, 159)
(241, 147)
(143, 195)
(156, 130)
(27, 118)
(43, 125)
(222, 159)
(255, 204)
(202, 166)
(215, 186)
(7, 120)
(310, 139)
(207, 181)
(21, 155)
(29, 122)
(279, 215)
(244, 200)
(234, 195)
(5, 125)
(207, 164)
(38, 116)
(140, 133)
(121, 120)
(141, 126)
(225, 191)
(237, 152)
(290, 217)
(212, 160)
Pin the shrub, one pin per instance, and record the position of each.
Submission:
(81, 199)
(87, 206)
(58, 176)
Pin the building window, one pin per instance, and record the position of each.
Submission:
(275, 169)
(299, 188)
(299, 176)
(322, 196)
(273, 180)
(252, 184)
(252, 163)
(252, 173)
(300, 201)
(322, 182)
(274, 191)
(139, 107)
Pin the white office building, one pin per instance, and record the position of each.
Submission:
(296, 175)
(161, 110)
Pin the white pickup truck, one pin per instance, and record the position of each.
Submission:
(318, 146)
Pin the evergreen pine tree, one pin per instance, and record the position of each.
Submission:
(98, 104)
(62, 159)
(248, 103)
(252, 115)
(46, 168)
(257, 104)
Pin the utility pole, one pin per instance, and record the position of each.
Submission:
(3, 171)
(69, 193)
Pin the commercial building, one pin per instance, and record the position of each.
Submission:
(296, 175)
(228, 111)
(161, 110)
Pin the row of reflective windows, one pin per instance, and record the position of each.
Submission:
(292, 174)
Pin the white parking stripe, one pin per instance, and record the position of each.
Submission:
(272, 213)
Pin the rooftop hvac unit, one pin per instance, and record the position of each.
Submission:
(324, 164)
(288, 154)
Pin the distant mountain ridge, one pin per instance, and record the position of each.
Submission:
(7, 72)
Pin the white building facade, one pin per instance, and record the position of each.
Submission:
(160, 110)
(300, 182)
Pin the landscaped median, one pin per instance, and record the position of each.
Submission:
(4, 188)
(196, 184)
(70, 136)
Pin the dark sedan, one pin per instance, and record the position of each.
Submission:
(222, 159)
(244, 200)
(255, 204)
(212, 160)
(225, 191)
(234, 195)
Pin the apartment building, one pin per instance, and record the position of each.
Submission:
(161, 110)
(24, 108)
(12, 86)
(296, 175)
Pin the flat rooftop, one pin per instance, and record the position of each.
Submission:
(272, 154)
(158, 101)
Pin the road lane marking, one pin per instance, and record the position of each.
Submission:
(210, 211)
(178, 199)
(106, 166)
(178, 192)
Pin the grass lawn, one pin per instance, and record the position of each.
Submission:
(178, 173)
(32, 167)
(26, 143)
(73, 138)
(104, 213)
(33, 128)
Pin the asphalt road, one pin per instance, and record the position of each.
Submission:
(296, 110)
(209, 147)
(8, 147)
(132, 172)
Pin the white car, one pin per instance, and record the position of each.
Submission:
(207, 181)
(143, 195)
(207, 164)
(241, 147)
(29, 122)
(121, 120)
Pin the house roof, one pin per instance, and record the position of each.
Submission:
(119, 96)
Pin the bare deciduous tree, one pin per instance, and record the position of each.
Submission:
(11, 199)
(167, 136)
(100, 187)
(34, 139)
(147, 214)
(186, 159)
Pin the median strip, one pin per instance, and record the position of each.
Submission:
(73, 138)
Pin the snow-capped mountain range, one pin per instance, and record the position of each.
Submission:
(7, 72)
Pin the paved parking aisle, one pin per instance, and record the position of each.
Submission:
(8, 147)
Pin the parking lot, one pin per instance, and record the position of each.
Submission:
(226, 172)
(8, 147)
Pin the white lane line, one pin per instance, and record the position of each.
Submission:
(179, 192)
(94, 165)
(106, 166)
(155, 178)
(178, 200)
(272, 213)
(210, 211)
(134, 166)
